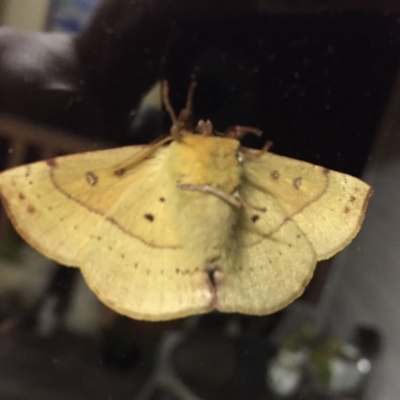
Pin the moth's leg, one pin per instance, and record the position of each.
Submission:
(137, 158)
(256, 154)
(267, 146)
(238, 131)
(230, 199)
(245, 203)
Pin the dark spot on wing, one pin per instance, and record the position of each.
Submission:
(147, 272)
(99, 238)
(123, 256)
(255, 218)
(52, 162)
(31, 209)
(21, 196)
(162, 199)
(91, 178)
(162, 272)
(127, 232)
(49, 208)
(120, 172)
(297, 183)
(353, 199)
(149, 217)
(136, 265)
(30, 182)
(275, 175)
(346, 210)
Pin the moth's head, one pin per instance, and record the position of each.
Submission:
(206, 160)
(203, 158)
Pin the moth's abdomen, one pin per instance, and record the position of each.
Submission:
(203, 220)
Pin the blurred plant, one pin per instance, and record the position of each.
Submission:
(322, 352)
(9, 245)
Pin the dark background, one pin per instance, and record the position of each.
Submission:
(317, 85)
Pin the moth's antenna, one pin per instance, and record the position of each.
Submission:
(181, 122)
(167, 102)
(190, 95)
(185, 116)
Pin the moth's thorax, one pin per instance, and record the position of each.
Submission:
(205, 160)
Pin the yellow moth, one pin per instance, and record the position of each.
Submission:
(190, 224)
